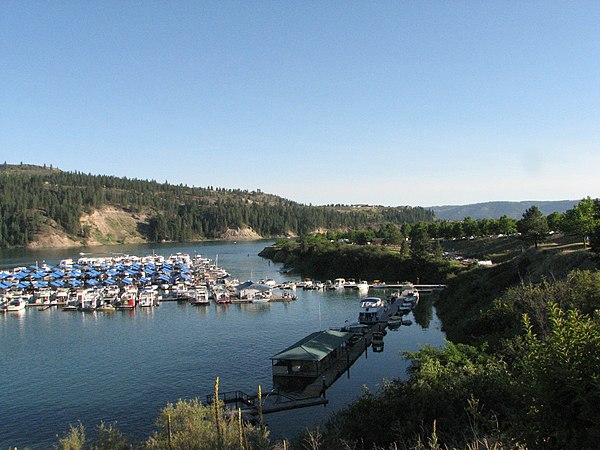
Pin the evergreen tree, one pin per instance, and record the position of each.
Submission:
(533, 226)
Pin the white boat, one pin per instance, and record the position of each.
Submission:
(147, 297)
(106, 305)
(88, 299)
(44, 296)
(16, 304)
(73, 302)
(199, 297)
(362, 286)
(221, 296)
(61, 297)
(4, 301)
(339, 283)
(372, 310)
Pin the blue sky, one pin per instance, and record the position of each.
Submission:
(394, 103)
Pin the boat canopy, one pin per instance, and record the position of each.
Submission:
(314, 347)
(250, 285)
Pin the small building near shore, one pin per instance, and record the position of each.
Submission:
(249, 289)
(310, 356)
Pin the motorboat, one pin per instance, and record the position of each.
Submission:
(372, 310)
(18, 303)
(362, 286)
(72, 303)
(339, 283)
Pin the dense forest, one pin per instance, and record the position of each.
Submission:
(32, 197)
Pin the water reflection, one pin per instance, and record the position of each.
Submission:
(423, 311)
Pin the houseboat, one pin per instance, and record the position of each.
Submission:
(372, 310)
(147, 297)
(199, 296)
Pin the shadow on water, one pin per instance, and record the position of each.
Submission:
(423, 311)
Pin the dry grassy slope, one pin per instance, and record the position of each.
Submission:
(111, 225)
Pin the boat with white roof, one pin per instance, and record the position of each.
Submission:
(372, 310)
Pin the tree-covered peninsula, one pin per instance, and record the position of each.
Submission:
(44, 206)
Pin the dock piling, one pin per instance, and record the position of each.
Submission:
(348, 363)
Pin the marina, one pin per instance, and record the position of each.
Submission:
(126, 282)
(125, 366)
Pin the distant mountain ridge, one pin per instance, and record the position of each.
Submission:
(495, 210)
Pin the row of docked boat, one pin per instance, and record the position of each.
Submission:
(337, 284)
(375, 310)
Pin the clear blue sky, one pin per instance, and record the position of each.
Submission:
(393, 103)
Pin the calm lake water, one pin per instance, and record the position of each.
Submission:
(58, 368)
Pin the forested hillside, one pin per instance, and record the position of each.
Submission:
(36, 199)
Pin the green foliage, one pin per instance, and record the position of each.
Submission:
(191, 425)
(420, 242)
(582, 220)
(558, 379)
(74, 439)
(533, 226)
(457, 388)
(317, 257)
(555, 221)
(108, 438)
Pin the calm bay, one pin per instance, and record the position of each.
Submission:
(58, 368)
